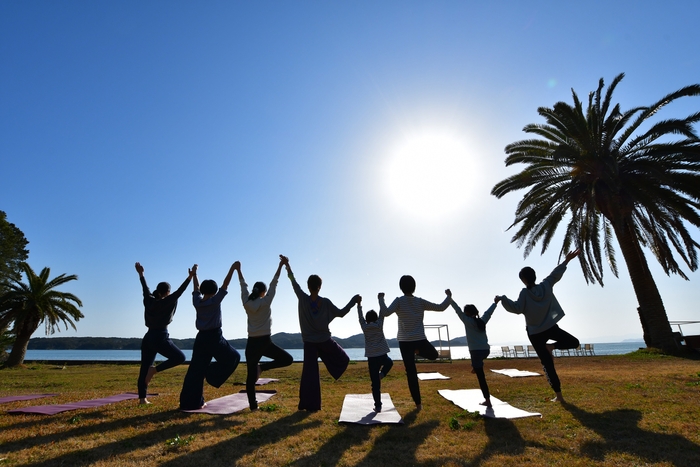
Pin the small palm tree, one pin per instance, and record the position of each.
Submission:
(612, 174)
(28, 305)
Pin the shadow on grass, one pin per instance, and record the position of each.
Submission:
(399, 444)
(164, 429)
(505, 439)
(231, 450)
(621, 434)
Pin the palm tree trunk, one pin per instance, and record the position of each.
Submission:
(19, 349)
(652, 313)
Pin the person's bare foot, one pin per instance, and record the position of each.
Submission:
(559, 398)
(144, 401)
(486, 403)
(419, 407)
(151, 373)
(473, 371)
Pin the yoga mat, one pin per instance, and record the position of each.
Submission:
(54, 409)
(262, 381)
(359, 408)
(468, 399)
(232, 403)
(513, 373)
(431, 376)
(28, 397)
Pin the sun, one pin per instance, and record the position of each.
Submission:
(429, 174)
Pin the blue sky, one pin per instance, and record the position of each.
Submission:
(174, 133)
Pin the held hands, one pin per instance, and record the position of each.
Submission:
(380, 295)
(357, 299)
(448, 292)
(497, 299)
(236, 266)
(193, 271)
(284, 260)
(139, 268)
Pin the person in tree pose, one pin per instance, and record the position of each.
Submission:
(315, 315)
(411, 335)
(477, 341)
(159, 309)
(209, 343)
(542, 313)
(376, 351)
(257, 306)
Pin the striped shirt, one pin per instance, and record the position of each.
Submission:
(410, 311)
(375, 342)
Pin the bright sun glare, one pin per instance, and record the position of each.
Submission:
(430, 174)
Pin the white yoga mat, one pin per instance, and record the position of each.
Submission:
(468, 399)
(513, 373)
(359, 408)
(232, 403)
(262, 381)
(431, 376)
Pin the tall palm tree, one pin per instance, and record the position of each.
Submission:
(29, 304)
(612, 174)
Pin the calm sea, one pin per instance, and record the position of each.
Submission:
(616, 348)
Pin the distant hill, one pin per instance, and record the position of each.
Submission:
(283, 339)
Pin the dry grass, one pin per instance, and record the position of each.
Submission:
(624, 410)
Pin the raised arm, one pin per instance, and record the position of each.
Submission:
(457, 309)
(227, 279)
(442, 306)
(244, 287)
(183, 287)
(284, 261)
(360, 316)
(144, 286)
(489, 312)
(344, 311)
(383, 309)
(297, 290)
(195, 280)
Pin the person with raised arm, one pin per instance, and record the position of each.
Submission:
(315, 316)
(542, 313)
(411, 335)
(257, 305)
(376, 351)
(159, 309)
(209, 343)
(478, 342)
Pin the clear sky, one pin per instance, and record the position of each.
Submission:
(361, 139)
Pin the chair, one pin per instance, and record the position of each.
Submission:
(519, 349)
(531, 351)
(578, 351)
(588, 349)
(506, 352)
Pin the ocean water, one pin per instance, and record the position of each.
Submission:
(458, 352)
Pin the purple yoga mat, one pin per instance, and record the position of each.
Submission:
(54, 409)
(232, 403)
(24, 398)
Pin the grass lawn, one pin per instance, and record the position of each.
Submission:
(637, 409)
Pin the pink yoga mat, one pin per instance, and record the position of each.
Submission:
(232, 403)
(54, 409)
(24, 398)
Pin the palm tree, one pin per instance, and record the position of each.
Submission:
(612, 174)
(27, 305)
